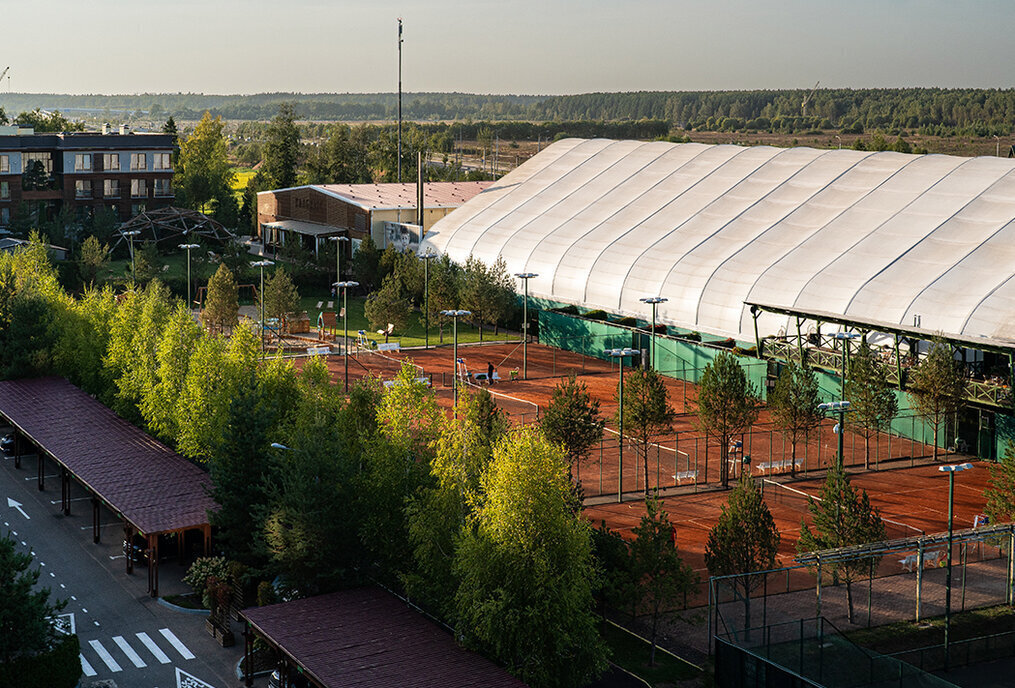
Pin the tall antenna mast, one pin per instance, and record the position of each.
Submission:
(399, 100)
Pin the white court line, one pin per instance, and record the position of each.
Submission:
(129, 651)
(105, 656)
(153, 648)
(651, 444)
(86, 667)
(175, 642)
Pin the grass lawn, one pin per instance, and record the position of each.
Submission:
(632, 653)
(908, 635)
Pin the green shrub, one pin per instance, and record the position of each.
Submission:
(568, 310)
(628, 321)
(597, 314)
(58, 668)
(203, 568)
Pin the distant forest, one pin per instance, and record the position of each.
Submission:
(930, 111)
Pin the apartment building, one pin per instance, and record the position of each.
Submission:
(83, 171)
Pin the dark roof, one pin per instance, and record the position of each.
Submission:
(154, 488)
(86, 140)
(368, 638)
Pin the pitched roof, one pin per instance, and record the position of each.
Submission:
(367, 638)
(399, 196)
(151, 486)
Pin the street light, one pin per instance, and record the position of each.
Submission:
(279, 445)
(655, 301)
(455, 314)
(188, 247)
(845, 338)
(344, 286)
(262, 264)
(339, 240)
(951, 471)
(839, 407)
(621, 354)
(130, 234)
(427, 257)
(525, 277)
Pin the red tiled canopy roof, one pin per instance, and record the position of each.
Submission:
(368, 638)
(154, 488)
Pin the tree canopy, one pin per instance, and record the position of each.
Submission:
(728, 405)
(203, 172)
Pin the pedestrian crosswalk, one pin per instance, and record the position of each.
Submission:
(138, 650)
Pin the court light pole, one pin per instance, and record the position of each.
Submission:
(426, 257)
(345, 286)
(525, 277)
(839, 407)
(845, 338)
(188, 247)
(951, 471)
(130, 234)
(339, 240)
(620, 355)
(262, 264)
(455, 315)
(655, 301)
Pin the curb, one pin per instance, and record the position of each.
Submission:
(185, 610)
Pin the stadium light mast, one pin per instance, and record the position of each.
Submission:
(655, 301)
(188, 247)
(399, 100)
(130, 234)
(525, 277)
(620, 355)
(839, 407)
(345, 286)
(262, 264)
(455, 315)
(845, 338)
(951, 471)
(339, 240)
(427, 257)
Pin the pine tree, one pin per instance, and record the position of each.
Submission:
(282, 148)
(794, 405)
(872, 402)
(26, 614)
(937, 386)
(222, 305)
(646, 410)
(1000, 492)
(842, 516)
(281, 297)
(572, 420)
(728, 405)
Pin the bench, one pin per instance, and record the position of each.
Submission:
(933, 558)
(772, 466)
(680, 476)
(425, 381)
(318, 350)
(389, 346)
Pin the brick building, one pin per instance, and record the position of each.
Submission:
(127, 172)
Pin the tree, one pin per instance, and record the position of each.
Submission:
(660, 575)
(794, 404)
(572, 420)
(282, 148)
(280, 296)
(159, 404)
(26, 614)
(728, 405)
(203, 171)
(387, 305)
(647, 410)
(526, 569)
(94, 257)
(1000, 492)
(872, 402)
(487, 291)
(744, 540)
(147, 263)
(842, 517)
(342, 159)
(444, 286)
(366, 263)
(937, 386)
(222, 305)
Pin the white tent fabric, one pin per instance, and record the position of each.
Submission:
(881, 236)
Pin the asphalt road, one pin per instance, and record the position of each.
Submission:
(128, 639)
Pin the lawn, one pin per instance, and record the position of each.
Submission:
(631, 653)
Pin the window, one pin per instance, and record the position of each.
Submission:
(111, 188)
(5, 163)
(137, 208)
(5, 216)
(162, 161)
(5, 191)
(37, 172)
(138, 162)
(138, 188)
(83, 162)
(111, 161)
(163, 187)
(45, 159)
(83, 188)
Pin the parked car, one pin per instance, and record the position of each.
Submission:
(138, 550)
(275, 681)
(7, 443)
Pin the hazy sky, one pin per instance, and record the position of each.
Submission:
(502, 46)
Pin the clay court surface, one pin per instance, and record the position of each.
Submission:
(911, 494)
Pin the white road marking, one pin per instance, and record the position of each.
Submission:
(35, 477)
(63, 586)
(175, 642)
(129, 651)
(74, 598)
(86, 667)
(76, 499)
(153, 648)
(52, 575)
(66, 623)
(42, 563)
(185, 680)
(105, 656)
(11, 504)
(102, 525)
(96, 623)
(84, 610)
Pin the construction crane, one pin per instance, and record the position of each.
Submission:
(808, 97)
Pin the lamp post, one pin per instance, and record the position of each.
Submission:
(655, 301)
(845, 338)
(339, 240)
(427, 257)
(839, 407)
(525, 277)
(620, 355)
(345, 286)
(280, 446)
(455, 315)
(262, 264)
(951, 471)
(188, 247)
(130, 234)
